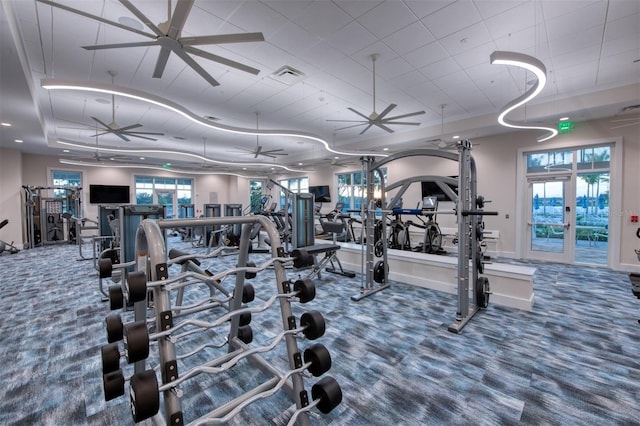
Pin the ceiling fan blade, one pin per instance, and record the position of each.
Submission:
(411, 114)
(94, 17)
(106, 126)
(386, 111)
(359, 113)
(383, 127)
(348, 121)
(120, 135)
(161, 62)
(257, 151)
(197, 68)
(221, 39)
(126, 129)
(407, 123)
(146, 133)
(221, 60)
(179, 17)
(354, 125)
(118, 45)
(274, 152)
(366, 128)
(146, 21)
(136, 135)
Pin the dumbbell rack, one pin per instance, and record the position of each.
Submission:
(152, 265)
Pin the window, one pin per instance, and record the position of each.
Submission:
(147, 187)
(144, 190)
(255, 195)
(68, 179)
(594, 158)
(552, 161)
(352, 188)
(295, 185)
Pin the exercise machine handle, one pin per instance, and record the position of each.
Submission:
(478, 213)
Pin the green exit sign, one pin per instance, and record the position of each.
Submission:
(565, 126)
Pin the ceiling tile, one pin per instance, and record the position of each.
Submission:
(422, 8)
(322, 18)
(387, 18)
(466, 39)
(356, 8)
(511, 21)
(351, 38)
(440, 68)
(490, 8)
(409, 38)
(425, 55)
(452, 18)
(293, 39)
(586, 16)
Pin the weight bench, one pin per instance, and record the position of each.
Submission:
(330, 256)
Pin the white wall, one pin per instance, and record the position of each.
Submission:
(11, 195)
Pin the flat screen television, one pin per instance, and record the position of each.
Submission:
(432, 189)
(109, 194)
(320, 193)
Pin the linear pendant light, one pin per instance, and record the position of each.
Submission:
(539, 70)
(57, 84)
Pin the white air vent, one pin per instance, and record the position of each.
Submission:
(288, 75)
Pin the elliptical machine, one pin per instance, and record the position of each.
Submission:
(432, 242)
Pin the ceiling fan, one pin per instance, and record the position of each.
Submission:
(440, 143)
(338, 162)
(114, 129)
(259, 149)
(96, 156)
(167, 35)
(380, 120)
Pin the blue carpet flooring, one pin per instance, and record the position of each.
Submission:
(575, 359)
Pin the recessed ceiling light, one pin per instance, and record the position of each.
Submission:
(385, 149)
(65, 150)
(19, 141)
(564, 118)
(336, 158)
(5, 124)
(244, 168)
(299, 164)
(456, 137)
(142, 158)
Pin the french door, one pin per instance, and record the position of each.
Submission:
(550, 224)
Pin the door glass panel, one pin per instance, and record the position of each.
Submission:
(548, 216)
(592, 218)
(165, 198)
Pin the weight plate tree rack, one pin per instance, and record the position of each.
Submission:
(151, 278)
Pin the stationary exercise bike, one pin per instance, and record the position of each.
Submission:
(6, 246)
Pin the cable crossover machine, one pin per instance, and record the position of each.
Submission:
(473, 289)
